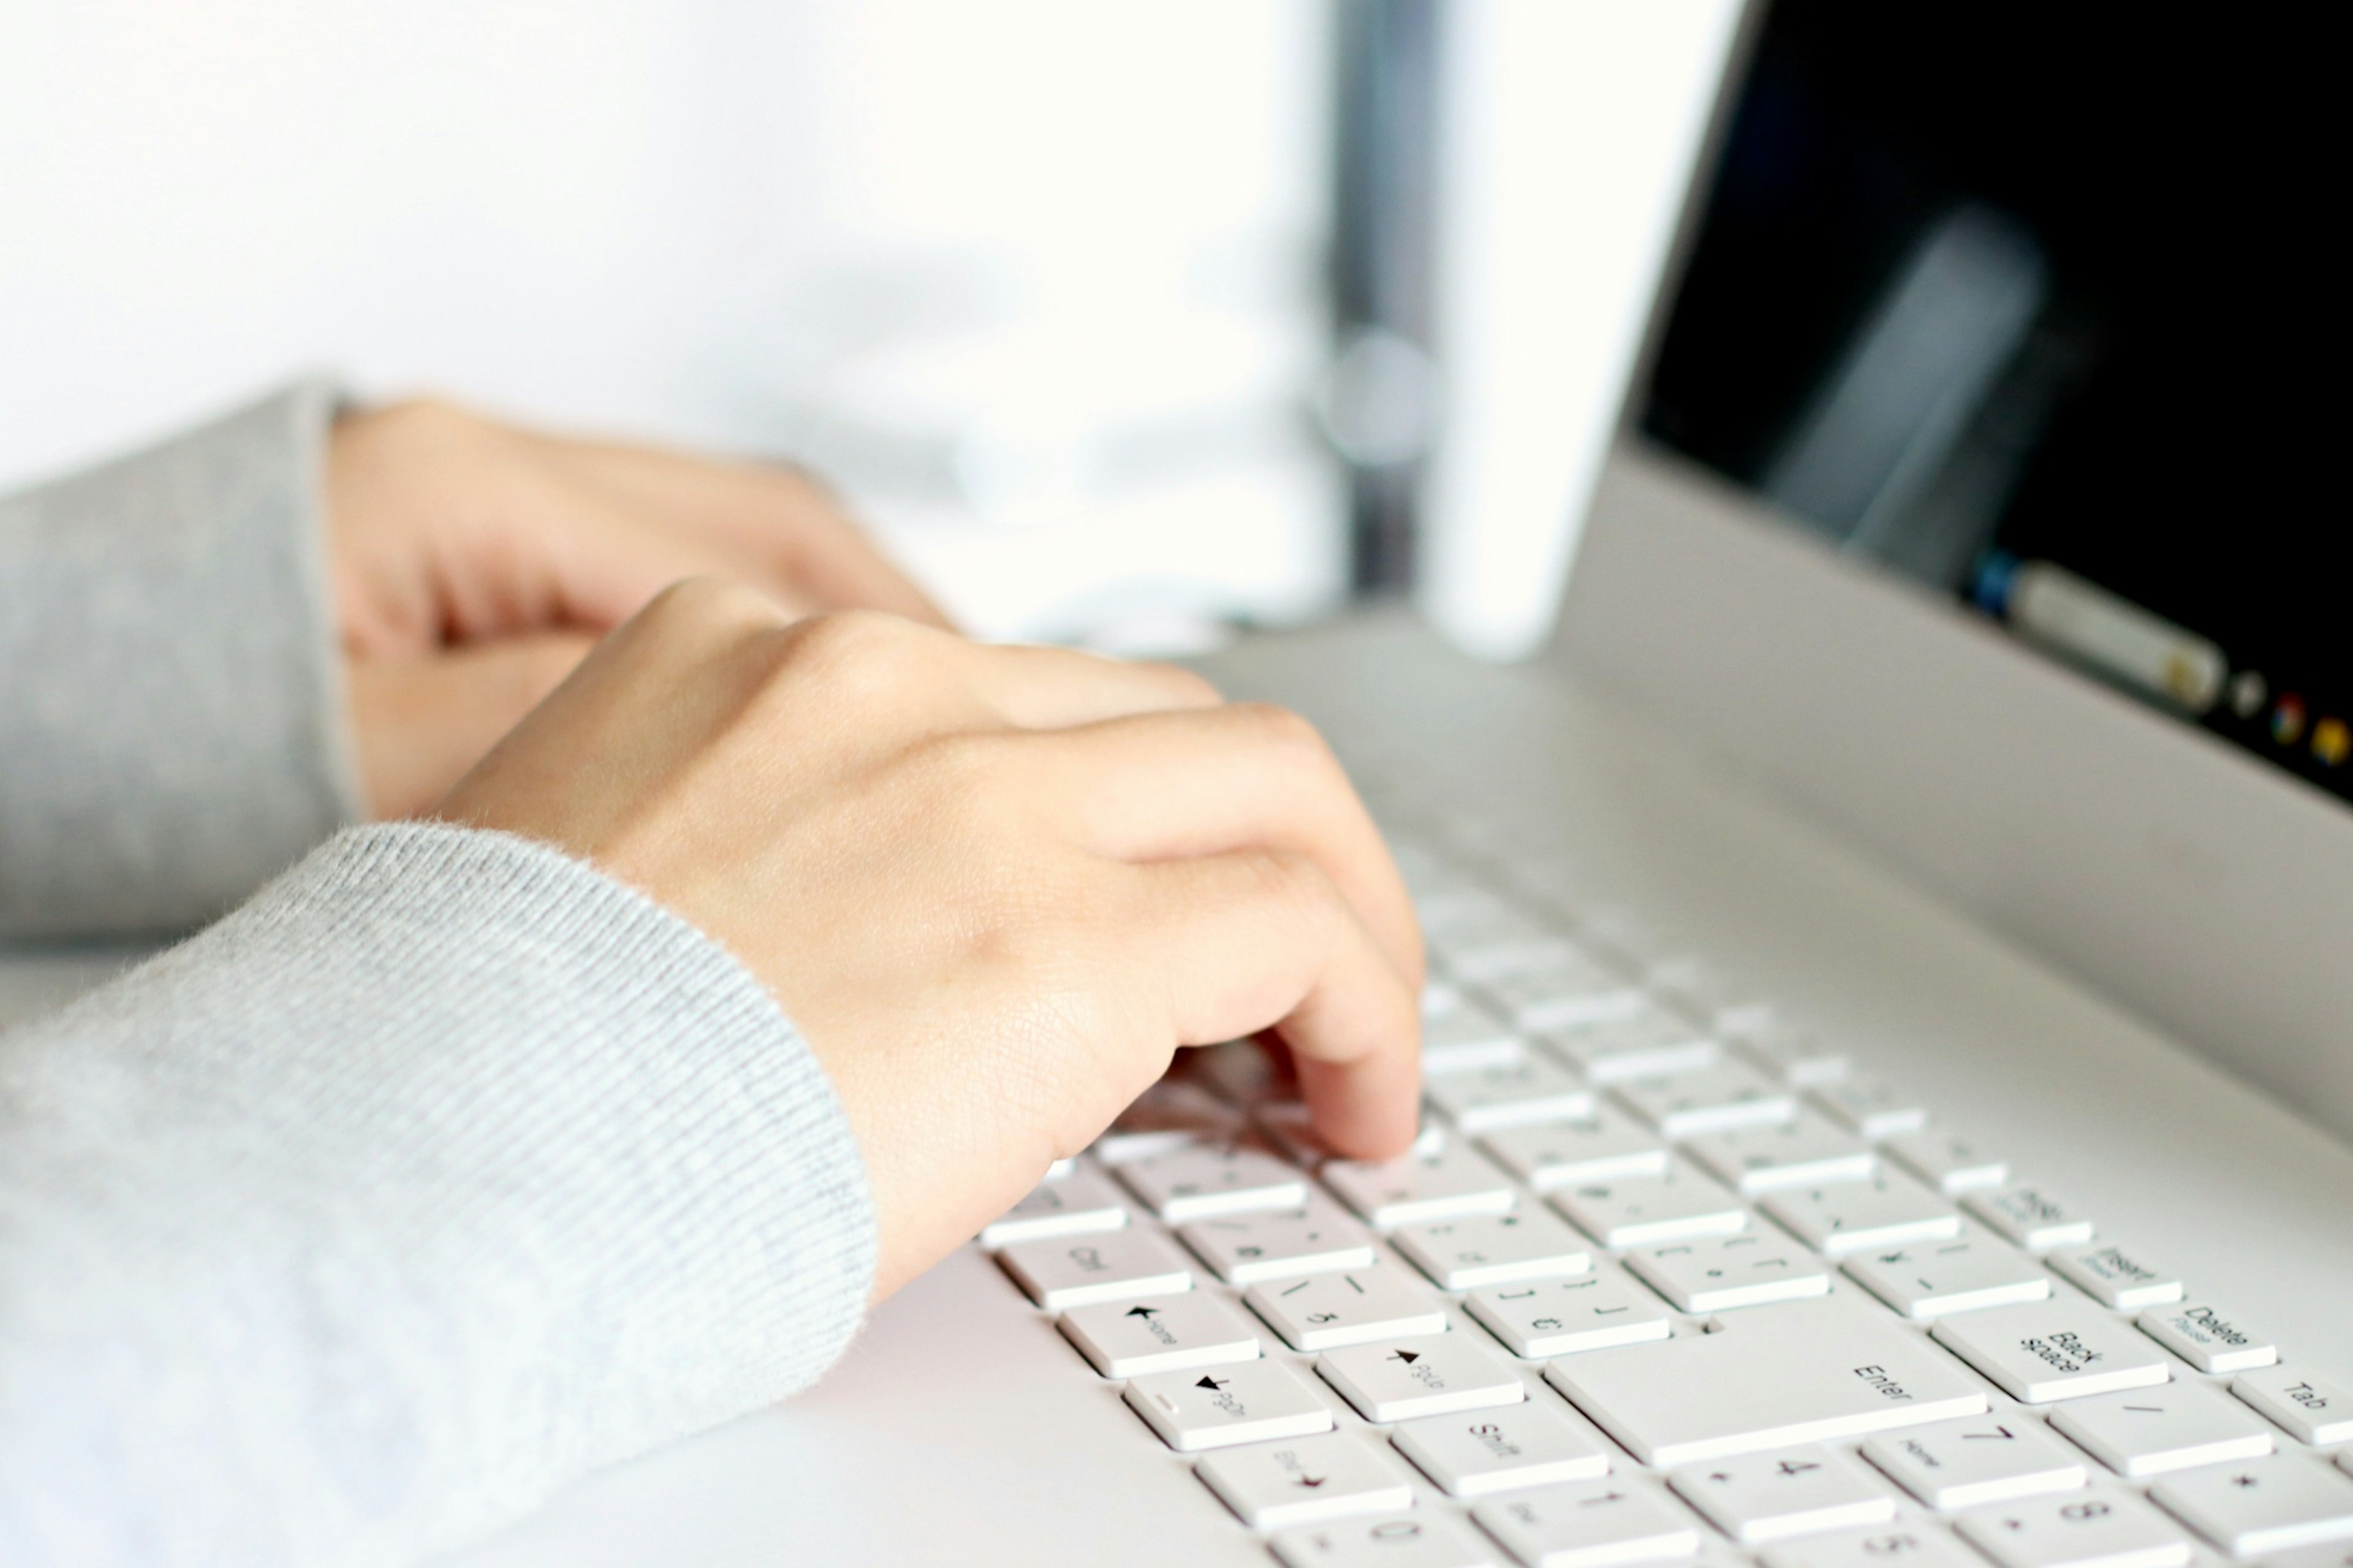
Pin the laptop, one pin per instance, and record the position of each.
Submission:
(1890, 1046)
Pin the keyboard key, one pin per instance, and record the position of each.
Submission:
(1786, 1052)
(1929, 1279)
(1472, 1036)
(1707, 1099)
(1273, 1484)
(1433, 1183)
(1810, 1372)
(1406, 1540)
(2152, 1431)
(1852, 1216)
(2337, 1555)
(1949, 1162)
(2311, 1409)
(1079, 1204)
(1494, 1249)
(1326, 1311)
(1978, 1460)
(1527, 1444)
(1868, 1108)
(1056, 1170)
(1202, 1179)
(1603, 1146)
(1566, 991)
(1280, 1244)
(1248, 1402)
(2210, 1338)
(1397, 1380)
(2030, 1216)
(1499, 960)
(1783, 1492)
(1719, 1274)
(1062, 1272)
(2272, 1505)
(1565, 1317)
(1535, 1089)
(2104, 1529)
(1648, 1042)
(1887, 1546)
(1169, 1115)
(2059, 1349)
(1590, 1525)
(1805, 1151)
(1634, 1211)
(2115, 1276)
(1164, 1334)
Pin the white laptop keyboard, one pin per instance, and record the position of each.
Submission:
(1665, 1280)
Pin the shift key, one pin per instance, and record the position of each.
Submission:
(1808, 1372)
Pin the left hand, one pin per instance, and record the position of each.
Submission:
(475, 562)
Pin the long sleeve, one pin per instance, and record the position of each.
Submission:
(444, 1170)
(171, 712)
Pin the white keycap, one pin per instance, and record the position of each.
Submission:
(1810, 1372)
(2058, 1349)
(1271, 1485)
(1169, 1115)
(1056, 1170)
(2030, 1216)
(2337, 1555)
(2152, 1431)
(1590, 1525)
(2272, 1505)
(1061, 1272)
(1280, 1244)
(1899, 1545)
(1806, 1151)
(1791, 1053)
(1326, 1311)
(2310, 1408)
(1601, 1147)
(1720, 1273)
(1492, 958)
(1869, 1107)
(1568, 991)
(1978, 1460)
(1472, 1036)
(1079, 1204)
(1248, 1402)
(1494, 1248)
(1707, 1100)
(1565, 1317)
(1886, 1211)
(1532, 1444)
(1649, 1042)
(2210, 1338)
(1949, 1162)
(1164, 1334)
(1533, 1089)
(1203, 1179)
(1438, 1374)
(1430, 1183)
(1406, 1540)
(2099, 1530)
(2116, 1276)
(1783, 1492)
(1635, 1211)
(1925, 1280)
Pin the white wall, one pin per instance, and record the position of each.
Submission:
(1001, 229)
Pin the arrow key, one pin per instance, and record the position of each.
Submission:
(1271, 1485)
(1397, 1380)
(1131, 1338)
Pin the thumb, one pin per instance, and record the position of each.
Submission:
(419, 721)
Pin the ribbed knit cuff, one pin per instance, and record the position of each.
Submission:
(446, 1169)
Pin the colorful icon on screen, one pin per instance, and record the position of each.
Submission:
(2331, 742)
(2247, 693)
(2287, 720)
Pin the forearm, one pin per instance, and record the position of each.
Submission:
(446, 1169)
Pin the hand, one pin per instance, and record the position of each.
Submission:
(995, 888)
(474, 564)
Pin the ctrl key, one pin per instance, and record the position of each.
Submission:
(1248, 1402)
(1590, 1525)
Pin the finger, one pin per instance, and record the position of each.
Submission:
(1262, 939)
(419, 722)
(1210, 781)
(777, 518)
(1056, 689)
(609, 562)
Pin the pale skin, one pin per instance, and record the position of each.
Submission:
(997, 888)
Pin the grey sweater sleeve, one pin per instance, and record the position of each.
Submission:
(171, 712)
(443, 1170)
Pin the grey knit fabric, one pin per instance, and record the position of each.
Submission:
(171, 711)
(445, 1168)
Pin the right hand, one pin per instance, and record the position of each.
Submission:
(995, 888)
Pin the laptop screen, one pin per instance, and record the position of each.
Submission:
(2036, 305)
